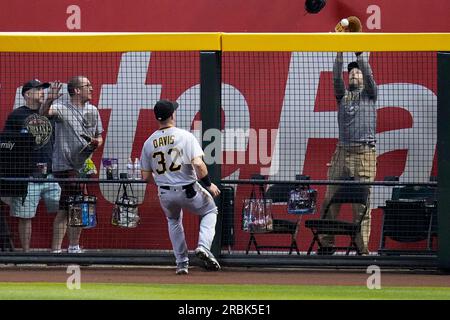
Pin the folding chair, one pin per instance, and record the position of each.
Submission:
(278, 193)
(406, 221)
(345, 194)
(410, 216)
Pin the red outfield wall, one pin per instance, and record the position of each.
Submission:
(217, 15)
(226, 16)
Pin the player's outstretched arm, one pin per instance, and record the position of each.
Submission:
(202, 174)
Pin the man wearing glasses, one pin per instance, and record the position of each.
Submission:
(78, 135)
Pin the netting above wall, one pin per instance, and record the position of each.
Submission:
(285, 121)
(286, 103)
(279, 118)
(119, 92)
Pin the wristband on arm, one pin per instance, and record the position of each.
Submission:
(206, 180)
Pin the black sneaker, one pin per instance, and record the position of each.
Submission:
(326, 251)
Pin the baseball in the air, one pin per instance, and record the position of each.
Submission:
(344, 22)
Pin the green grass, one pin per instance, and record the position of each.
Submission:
(93, 291)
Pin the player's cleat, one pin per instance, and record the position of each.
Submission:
(182, 268)
(75, 249)
(210, 262)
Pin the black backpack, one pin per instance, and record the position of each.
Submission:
(16, 151)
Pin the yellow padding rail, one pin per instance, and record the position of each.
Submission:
(336, 42)
(108, 42)
(216, 41)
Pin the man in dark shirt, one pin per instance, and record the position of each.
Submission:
(27, 120)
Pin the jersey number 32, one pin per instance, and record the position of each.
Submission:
(174, 154)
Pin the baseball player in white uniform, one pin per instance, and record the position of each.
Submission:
(173, 157)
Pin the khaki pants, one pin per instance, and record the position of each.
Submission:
(358, 162)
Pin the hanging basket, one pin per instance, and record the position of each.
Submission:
(125, 212)
(82, 211)
(302, 200)
(257, 213)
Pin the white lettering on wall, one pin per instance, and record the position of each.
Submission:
(299, 122)
(237, 118)
(374, 280)
(74, 280)
(126, 98)
(374, 20)
(73, 21)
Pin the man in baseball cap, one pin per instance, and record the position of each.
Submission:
(164, 109)
(31, 156)
(355, 76)
(352, 65)
(173, 158)
(355, 155)
(33, 84)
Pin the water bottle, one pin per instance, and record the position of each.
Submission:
(137, 169)
(130, 169)
(84, 214)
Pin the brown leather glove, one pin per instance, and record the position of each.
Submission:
(354, 25)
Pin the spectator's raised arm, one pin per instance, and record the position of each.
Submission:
(369, 83)
(338, 80)
(52, 95)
